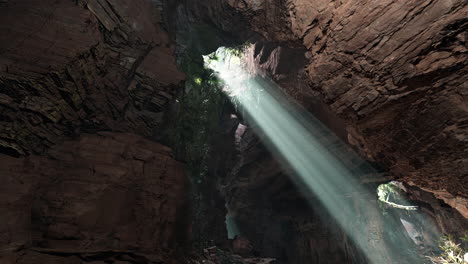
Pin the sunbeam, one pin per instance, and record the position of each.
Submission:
(297, 138)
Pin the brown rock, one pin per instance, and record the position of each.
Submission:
(242, 246)
(67, 68)
(395, 71)
(95, 194)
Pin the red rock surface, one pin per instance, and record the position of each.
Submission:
(110, 193)
(68, 67)
(394, 71)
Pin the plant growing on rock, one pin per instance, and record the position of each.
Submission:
(452, 253)
(392, 195)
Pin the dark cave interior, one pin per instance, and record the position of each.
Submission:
(127, 135)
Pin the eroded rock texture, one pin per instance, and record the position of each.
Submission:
(72, 66)
(68, 68)
(394, 71)
(389, 77)
(103, 197)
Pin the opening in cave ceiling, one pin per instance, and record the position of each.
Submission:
(322, 165)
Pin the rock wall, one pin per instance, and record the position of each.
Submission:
(106, 196)
(68, 67)
(276, 220)
(71, 193)
(389, 77)
(394, 71)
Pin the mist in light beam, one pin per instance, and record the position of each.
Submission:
(319, 171)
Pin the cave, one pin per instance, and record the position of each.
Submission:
(233, 131)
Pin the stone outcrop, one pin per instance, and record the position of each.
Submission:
(110, 196)
(68, 67)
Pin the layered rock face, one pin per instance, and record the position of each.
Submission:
(69, 67)
(104, 197)
(276, 219)
(394, 71)
(389, 77)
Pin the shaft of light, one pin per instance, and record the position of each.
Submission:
(296, 139)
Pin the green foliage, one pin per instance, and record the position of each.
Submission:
(199, 112)
(238, 50)
(195, 121)
(465, 237)
(387, 191)
(391, 195)
(452, 252)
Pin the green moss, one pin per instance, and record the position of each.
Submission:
(238, 50)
